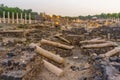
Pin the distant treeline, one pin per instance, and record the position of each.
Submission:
(103, 15)
(16, 10)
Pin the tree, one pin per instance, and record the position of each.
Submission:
(16, 10)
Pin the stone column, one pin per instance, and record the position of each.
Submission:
(112, 19)
(0, 19)
(21, 18)
(25, 18)
(17, 18)
(13, 20)
(29, 18)
(117, 19)
(8, 17)
(4, 17)
(35, 21)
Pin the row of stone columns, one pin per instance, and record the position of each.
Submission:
(17, 20)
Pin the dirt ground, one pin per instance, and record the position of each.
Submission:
(75, 69)
(77, 65)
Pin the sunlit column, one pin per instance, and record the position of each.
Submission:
(8, 17)
(29, 18)
(21, 18)
(35, 21)
(3, 16)
(117, 19)
(112, 19)
(25, 18)
(0, 19)
(13, 20)
(17, 18)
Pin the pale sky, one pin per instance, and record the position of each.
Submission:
(67, 7)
